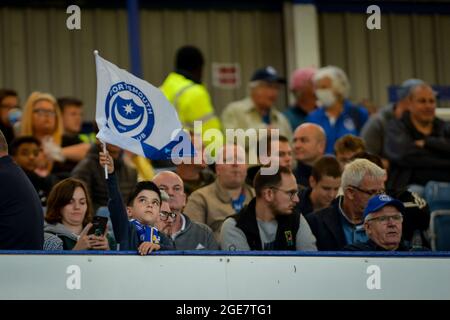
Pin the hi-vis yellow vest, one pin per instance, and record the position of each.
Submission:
(192, 102)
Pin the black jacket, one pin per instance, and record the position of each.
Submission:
(21, 216)
(372, 246)
(412, 164)
(326, 226)
(305, 205)
(288, 226)
(302, 174)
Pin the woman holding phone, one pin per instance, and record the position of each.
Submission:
(69, 216)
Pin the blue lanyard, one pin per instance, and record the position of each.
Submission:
(146, 233)
(238, 204)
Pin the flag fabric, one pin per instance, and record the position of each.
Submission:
(136, 116)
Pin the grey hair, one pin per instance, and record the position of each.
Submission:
(338, 78)
(164, 196)
(355, 171)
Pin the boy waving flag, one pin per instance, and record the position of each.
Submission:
(135, 116)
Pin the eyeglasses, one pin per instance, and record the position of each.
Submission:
(166, 214)
(44, 112)
(385, 219)
(290, 193)
(369, 192)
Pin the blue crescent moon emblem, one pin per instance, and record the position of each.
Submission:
(127, 114)
(129, 111)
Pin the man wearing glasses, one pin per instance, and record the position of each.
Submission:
(341, 223)
(383, 219)
(269, 221)
(187, 234)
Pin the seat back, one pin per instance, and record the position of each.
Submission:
(437, 195)
(440, 230)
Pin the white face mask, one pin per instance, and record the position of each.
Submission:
(326, 97)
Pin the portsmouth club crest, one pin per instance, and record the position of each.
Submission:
(129, 112)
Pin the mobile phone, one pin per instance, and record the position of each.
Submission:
(98, 225)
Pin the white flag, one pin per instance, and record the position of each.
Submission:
(136, 116)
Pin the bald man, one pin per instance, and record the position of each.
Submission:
(309, 146)
(187, 234)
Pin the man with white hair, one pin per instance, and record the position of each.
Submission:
(341, 223)
(257, 111)
(228, 194)
(337, 115)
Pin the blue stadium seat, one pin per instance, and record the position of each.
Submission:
(437, 195)
(440, 230)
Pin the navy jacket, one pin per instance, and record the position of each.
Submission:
(21, 216)
(124, 230)
(326, 226)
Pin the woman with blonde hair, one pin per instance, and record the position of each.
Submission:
(42, 119)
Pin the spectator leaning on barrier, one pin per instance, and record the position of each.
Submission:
(302, 88)
(143, 207)
(227, 195)
(186, 233)
(383, 218)
(336, 115)
(325, 181)
(341, 223)
(309, 146)
(269, 222)
(21, 217)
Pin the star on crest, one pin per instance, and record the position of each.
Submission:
(128, 108)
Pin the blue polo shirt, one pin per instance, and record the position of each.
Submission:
(350, 121)
(353, 232)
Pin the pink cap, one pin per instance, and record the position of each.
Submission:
(301, 76)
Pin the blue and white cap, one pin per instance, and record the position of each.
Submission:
(379, 201)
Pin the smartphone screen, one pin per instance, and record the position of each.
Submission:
(98, 225)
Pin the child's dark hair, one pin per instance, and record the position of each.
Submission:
(17, 142)
(143, 185)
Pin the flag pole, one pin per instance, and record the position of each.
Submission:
(106, 165)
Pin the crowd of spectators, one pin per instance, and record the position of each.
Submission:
(346, 179)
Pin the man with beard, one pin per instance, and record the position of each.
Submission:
(383, 218)
(269, 222)
(227, 195)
